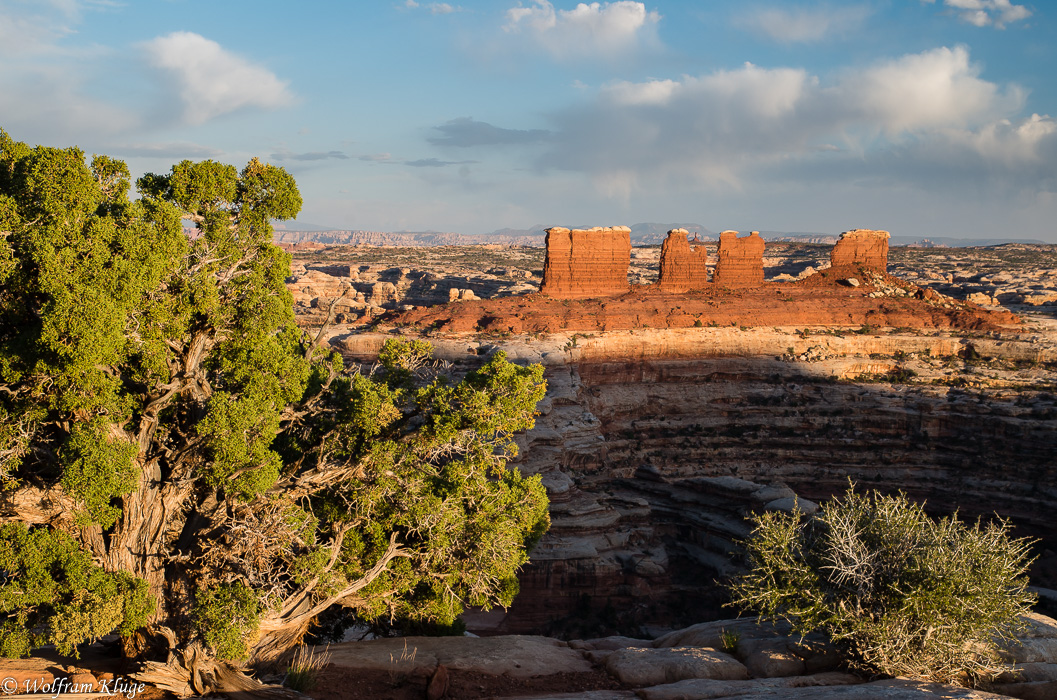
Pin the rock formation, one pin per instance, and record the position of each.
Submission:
(682, 265)
(586, 263)
(740, 260)
(861, 248)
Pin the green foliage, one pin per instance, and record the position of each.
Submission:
(903, 594)
(228, 617)
(97, 470)
(198, 460)
(53, 593)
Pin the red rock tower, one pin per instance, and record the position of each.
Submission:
(682, 266)
(861, 248)
(586, 263)
(740, 261)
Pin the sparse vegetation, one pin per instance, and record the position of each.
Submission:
(902, 594)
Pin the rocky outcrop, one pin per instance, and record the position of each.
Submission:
(861, 248)
(682, 266)
(740, 260)
(742, 658)
(586, 263)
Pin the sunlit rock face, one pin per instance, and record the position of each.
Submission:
(682, 266)
(861, 248)
(740, 260)
(585, 263)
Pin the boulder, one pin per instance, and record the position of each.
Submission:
(513, 655)
(644, 667)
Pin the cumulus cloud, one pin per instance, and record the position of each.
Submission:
(588, 29)
(212, 81)
(984, 13)
(465, 132)
(804, 25)
(721, 126)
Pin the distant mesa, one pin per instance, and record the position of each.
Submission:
(584, 263)
(740, 260)
(863, 248)
(588, 263)
(683, 265)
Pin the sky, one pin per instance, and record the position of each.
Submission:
(926, 118)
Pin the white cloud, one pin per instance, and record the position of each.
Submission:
(983, 13)
(606, 28)
(803, 25)
(212, 81)
(720, 127)
(932, 89)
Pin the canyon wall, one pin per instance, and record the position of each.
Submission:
(740, 261)
(861, 248)
(682, 266)
(587, 263)
(655, 446)
(653, 466)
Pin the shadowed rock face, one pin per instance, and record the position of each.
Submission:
(587, 263)
(861, 247)
(652, 468)
(682, 266)
(740, 260)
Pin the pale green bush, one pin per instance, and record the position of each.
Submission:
(902, 594)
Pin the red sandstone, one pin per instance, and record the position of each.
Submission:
(587, 263)
(682, 266)
(861, 248)
(740, 260)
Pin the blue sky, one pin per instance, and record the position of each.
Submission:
(922, 118)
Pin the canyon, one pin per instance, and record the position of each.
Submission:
(672, 416)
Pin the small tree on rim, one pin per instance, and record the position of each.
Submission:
(901, 593)
(183, 465)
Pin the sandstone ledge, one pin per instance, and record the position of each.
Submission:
(877, 301)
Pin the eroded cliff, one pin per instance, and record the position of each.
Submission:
(583, 263)
(655, 446)
(740, 261)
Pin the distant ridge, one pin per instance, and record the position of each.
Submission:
(641, 234)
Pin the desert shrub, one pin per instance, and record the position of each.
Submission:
(901, 593)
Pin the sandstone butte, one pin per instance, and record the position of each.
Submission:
(683, 267)
(740, 260)
(585, 289)
(586, 263)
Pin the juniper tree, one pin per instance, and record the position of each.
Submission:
(181, 464)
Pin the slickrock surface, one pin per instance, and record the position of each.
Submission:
(862, 248)
(682, 266)
(583, 263)
(740, 261)
(688, 664)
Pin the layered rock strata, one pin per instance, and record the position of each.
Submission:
(585, 263)
(655, 446)
(683, 267)
(861, 248)
(740, 261)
